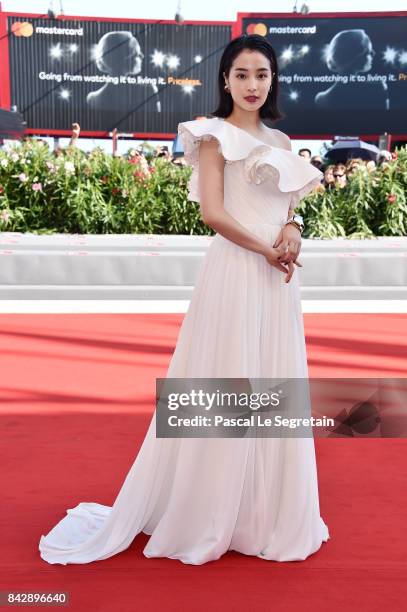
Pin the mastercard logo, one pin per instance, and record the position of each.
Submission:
(22, 28)
(257, 28)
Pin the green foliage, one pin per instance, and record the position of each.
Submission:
(101, 194)
(371, 204)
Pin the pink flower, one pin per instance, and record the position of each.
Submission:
(140, 175)
(22, 177)
(391, 198)
(37, 186)
(4, 215)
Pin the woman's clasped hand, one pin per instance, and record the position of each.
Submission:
(285, 250)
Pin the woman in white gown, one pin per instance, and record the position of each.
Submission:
(200, 497)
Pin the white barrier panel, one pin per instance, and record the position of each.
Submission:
(122, 266)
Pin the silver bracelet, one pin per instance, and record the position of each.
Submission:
(296, 220)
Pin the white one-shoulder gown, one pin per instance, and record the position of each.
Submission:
(200, 497)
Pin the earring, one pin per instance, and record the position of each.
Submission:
(227, 87)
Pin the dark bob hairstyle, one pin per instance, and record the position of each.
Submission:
(254, 42)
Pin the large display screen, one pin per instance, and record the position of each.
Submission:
(134, 76)
(338, 75)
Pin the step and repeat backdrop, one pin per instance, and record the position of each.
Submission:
(339, 74)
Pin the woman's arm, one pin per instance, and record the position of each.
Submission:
(76, 130)
(211, 177)
(289, 237)
(285, 143)
(293, 205)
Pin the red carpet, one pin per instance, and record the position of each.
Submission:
(77, 391)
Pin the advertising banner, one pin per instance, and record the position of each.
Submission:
(338, 74)
(133, 76)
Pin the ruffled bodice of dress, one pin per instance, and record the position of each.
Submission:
(261, 181)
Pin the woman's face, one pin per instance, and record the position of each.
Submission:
(369, 54)
(329, 175)
(339, 173)
(136, 56)
(250, 75)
